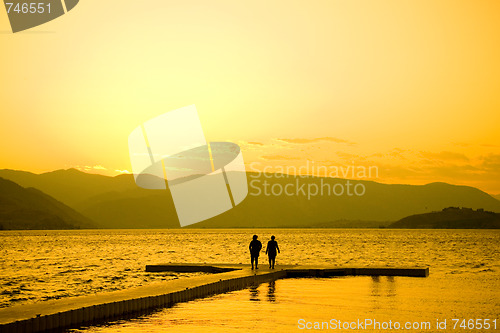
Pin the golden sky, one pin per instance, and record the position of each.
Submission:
(412, 87)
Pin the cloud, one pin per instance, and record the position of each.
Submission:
(491, 162)
(444, 156)
(250, 143)
(89, 167)
(405, 166)
(122, 171)
(462, 144)
(279, 157)
(315, 140)
(487, 145)
(349, 156)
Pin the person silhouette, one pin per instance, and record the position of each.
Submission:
(255, 247)
(271, 248)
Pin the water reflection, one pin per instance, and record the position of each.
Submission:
(375, 285)
(375, 292)
(317, 299)
(382, 287)
(391, 286)
(254, 293)
(271, 297)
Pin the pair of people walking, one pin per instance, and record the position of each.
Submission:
(256, 246)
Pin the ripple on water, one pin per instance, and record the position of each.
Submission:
(90, 261)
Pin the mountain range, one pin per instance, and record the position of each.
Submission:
(116, 202)
(29, 208)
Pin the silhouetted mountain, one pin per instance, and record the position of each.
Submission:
(69, 186)
(497, 196)
(451, 218)
(116, 202)
(381, 202)
(29, 208)
(137, 208)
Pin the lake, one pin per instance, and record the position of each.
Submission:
(463, 283)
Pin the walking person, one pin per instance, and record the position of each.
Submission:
(255, 247)
(272, 246)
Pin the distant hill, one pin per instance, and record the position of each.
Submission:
(69, 186)
(116, 202)
(497, 196)
(112, 202)
(29, 208)
(451, 218)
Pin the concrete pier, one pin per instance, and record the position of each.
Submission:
(98, 308)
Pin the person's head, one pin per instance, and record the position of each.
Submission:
(255, 237)
(272, 237)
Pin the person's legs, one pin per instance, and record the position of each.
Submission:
(256, 262)
(252, 258)
(272, 261)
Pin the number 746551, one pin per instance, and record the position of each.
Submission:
(25, 8)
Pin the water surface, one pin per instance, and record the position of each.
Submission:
(464, 266)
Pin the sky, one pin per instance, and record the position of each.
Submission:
(410, 87)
